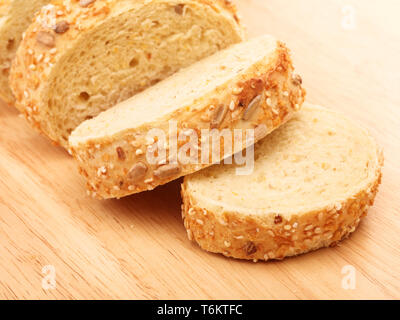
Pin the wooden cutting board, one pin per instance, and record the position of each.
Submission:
(137, 247)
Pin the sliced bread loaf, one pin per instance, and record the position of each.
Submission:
(314, 179)
(15, 17)
(250, 85)
(81, 57)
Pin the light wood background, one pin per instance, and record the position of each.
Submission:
(136, 248)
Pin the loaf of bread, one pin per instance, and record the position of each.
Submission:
(15, 17)
(81, 57)
(314, 179)
(250, 85)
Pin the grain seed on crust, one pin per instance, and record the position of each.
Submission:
(85, 3)
(278, 219)
(218, 116)
(179, 9)
(61, 27)
(167, 171)
(260, 132)
(250, 248)
(46, 38)
(137, 172)
(253, 105)
(121, 154)
(297, 80)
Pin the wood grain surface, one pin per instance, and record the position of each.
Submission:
(137, 248)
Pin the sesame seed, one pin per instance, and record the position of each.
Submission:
(269, 102)
(295, 225)
(232, 105)
(227, 244)
(200, 222)
(317, 230)
(191, 212)
(139, 152)
(309, 227)
(285, 93)
(32, 67)
(266, 257)
(239, 237)
(149, 180)
(287, 227)
(149, 141)
(237, 91)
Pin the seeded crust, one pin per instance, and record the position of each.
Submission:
(47, 43)
(271, 236)
(115, 168)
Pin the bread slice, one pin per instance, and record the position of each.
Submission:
(15, 17)
(250, 85)
(81, 57)
(314, 179)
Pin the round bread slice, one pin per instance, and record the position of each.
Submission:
(314, 179)
(81, 57)
(15, 17)
(249, 86)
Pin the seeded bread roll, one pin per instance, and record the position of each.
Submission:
(15, 17)
(314, 179)
(81, 57)
(250, 85)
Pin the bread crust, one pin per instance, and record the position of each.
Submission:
(35, 60)
(272, 236)
(107, 172)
